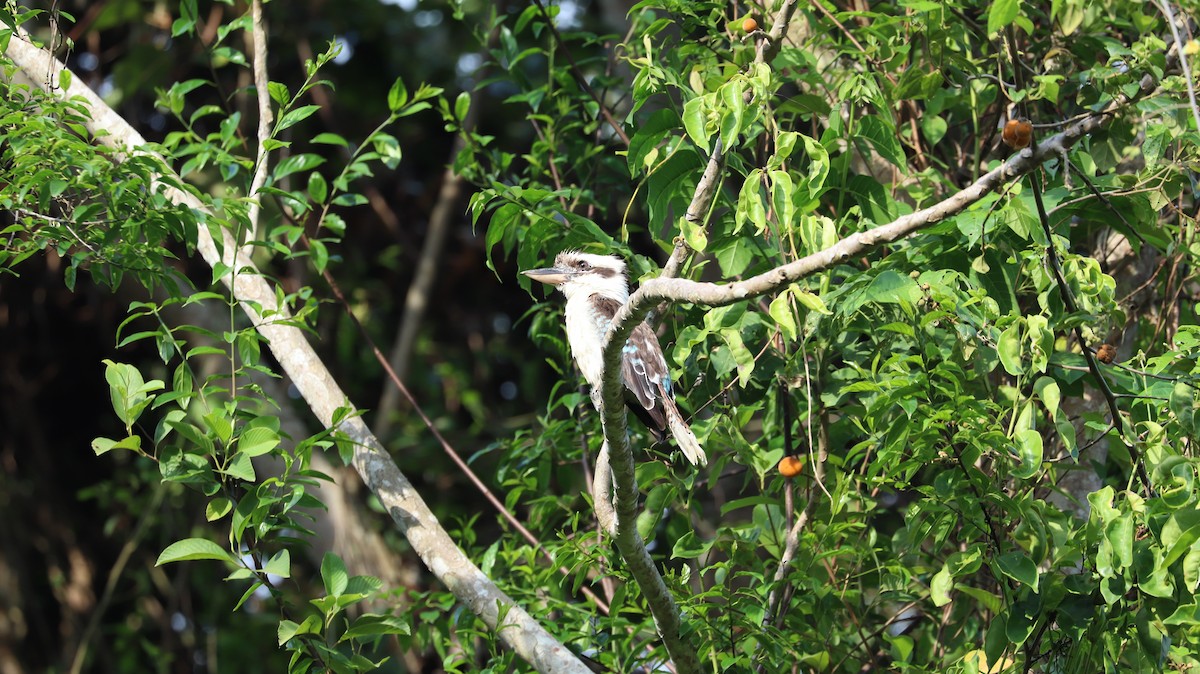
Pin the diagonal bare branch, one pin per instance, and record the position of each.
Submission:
(512, 624)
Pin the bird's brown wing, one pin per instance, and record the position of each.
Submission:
(643, 368)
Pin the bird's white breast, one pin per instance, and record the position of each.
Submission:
(585, 333)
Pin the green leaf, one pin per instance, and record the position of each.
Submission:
(241, 467)
(333, 575)
(279, 93)
(695, 121)
(690, 546)
(741, 355)
(818, 168)
(101, 445)
(1041, 341)
(388, 149)
(1008, 347)
(890, 287)
(259, 440)
(462, 105)
(1180, 533)
(1191, 568)
(217, 508)
(812, 302)
(940, 586)
(220, 424)
(294, 117)
(1182, 404)
(397, 96)
(785, 143)
(318, 189)
(370, 625)
(1029, 448)
(693, 234)
(329, 139)
(1019, 567)
(280, 565)
(1002, 13)
(128, 391)
(781, 311)
(734, 110)
(782, 190)
(287, 629)
(295, 163)
(1047, 390)
(1184, 614)
(882, 137)
(191, 549)
(750, 206)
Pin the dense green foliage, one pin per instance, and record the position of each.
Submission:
(980, 492)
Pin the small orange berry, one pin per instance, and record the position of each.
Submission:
(1106, 354)
(750, 25)
(790, 466)
(1017, 133)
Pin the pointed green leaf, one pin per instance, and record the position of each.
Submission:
(192, 549)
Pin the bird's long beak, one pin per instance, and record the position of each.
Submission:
(551, 275)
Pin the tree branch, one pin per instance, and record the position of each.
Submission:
(416, 300)
(265, 117)
(512, 624)
(768, 46)
(673, 290)
(579, 77)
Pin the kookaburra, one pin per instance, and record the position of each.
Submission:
(595, 287)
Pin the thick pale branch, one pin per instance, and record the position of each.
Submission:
(518, 630)
(258, 36)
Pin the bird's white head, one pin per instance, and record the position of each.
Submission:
(585, 274)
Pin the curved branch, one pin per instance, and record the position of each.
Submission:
(712, 294)
(672, 290)
(512, 624)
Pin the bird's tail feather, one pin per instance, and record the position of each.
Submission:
(684, 435)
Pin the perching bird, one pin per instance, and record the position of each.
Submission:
(595, 287)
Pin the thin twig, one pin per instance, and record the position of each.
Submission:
(445, 444)
(1165, 7)
(149, 512)
(790, 550)
(579, 78)
(416, 300)
(768, 46)
(1093, 365)
(656, 290)
(513, 625)
(1104, 199)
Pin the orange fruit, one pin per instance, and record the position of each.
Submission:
(750, 25)
(1018, 133)
(790, 466)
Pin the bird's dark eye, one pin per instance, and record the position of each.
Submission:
(584, 266)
